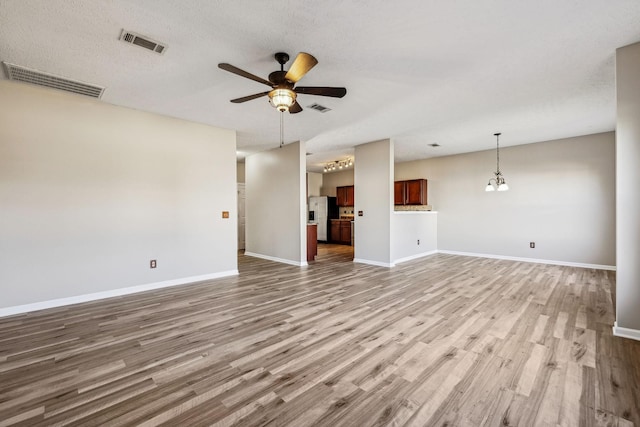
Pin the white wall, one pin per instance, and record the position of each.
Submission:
(91, 192)
(276, 204)
(415, 234)
(562, 197)
(331, 180)
(628, 191)
(374, 196)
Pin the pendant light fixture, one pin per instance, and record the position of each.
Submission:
(499, 182)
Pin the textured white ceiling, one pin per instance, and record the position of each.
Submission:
(418, 72)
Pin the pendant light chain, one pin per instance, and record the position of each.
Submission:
(498, 152)
(497, 183)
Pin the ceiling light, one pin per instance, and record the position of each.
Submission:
(282, 99)
(499, 182)
(338, 164)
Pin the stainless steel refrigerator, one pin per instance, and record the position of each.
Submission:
(321, 210)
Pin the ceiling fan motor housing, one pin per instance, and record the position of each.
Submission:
(278, 79)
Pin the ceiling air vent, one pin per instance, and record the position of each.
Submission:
(319, 107)
(27, 75)
(142, 41)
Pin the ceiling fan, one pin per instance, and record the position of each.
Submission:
(283, 92)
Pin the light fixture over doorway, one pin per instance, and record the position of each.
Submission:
(338, 164)
(499, 182)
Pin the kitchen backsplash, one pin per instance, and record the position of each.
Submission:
(346, 210)
(413, 208)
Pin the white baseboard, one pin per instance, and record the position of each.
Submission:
(276, 259)
(376, 263)
(42, 305)
(618, 331)
(416, 256)
(533, 260)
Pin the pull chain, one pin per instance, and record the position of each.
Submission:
(281, 129)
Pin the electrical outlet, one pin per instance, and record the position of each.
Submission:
(418, 241)
(532, 245)
(152, 263)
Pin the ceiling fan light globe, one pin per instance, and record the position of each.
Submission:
(282, 99)
(489, 187)
(503, 187)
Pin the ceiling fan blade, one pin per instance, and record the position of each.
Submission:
(295, 108)
(249, 98)
(301, 66)
(335, 92)
(235, 70)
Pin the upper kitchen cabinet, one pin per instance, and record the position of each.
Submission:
(345, 195)
(398, 192)
(410, 192)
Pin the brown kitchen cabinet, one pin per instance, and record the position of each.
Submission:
(312, 241)
(340, 231)
(345, 232)
(345, 195)
(334, 231)
(398, 192)
(410, 192)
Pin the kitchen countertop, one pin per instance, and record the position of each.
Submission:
(415, 212)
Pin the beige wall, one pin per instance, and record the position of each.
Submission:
(628, 191)
(415, 234)
(331, 180)
(374, 197)
(276, 204)
(562, 197)
(240, 171)
(91, 192)
(314, 184)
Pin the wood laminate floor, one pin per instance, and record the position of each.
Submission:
(440, 341)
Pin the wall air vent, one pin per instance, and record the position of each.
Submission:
(27, 75)
(142, 41)
(319, 107)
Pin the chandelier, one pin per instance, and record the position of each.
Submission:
(338, 164)
(499, 182)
